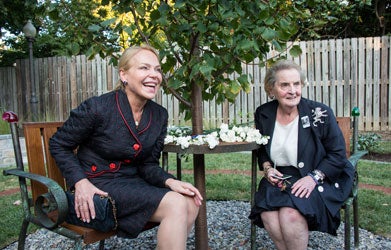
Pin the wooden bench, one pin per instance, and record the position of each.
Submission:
(47, 186)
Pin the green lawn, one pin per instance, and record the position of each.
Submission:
(371, 172)
(11, 219)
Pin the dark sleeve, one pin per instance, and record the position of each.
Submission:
(150, 169)
(334, 144)
(262, 153)
(62, 145)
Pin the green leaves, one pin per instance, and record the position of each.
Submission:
(94, 28)
(295, 51)
(73, 48)
(109, 22)
(268, 34)
(206, 71)
(203, 42)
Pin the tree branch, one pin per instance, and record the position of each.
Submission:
(176, 94)
(145, 38)
(379, 11)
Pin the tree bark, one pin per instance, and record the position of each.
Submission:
(196, 108)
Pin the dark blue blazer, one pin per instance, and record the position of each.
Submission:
(320, 146)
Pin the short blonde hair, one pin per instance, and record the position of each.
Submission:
(270, 77)
(124, 62)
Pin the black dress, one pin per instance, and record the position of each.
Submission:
(271, 198)
(116, 156)
(320, 146)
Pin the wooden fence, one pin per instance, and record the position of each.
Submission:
(342, 73)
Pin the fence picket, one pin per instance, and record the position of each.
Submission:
(346, 77)
(339, 70)
(332, 76)
(376, 83)
(385, 74)
(369, 82)
(325, 73)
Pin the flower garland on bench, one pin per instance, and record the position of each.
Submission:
(182, 136)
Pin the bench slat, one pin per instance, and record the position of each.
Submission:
(344, 125)
(40, 161)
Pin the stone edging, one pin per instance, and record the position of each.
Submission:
(7, 155)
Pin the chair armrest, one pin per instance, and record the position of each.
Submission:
(54, 200)
(354, 158)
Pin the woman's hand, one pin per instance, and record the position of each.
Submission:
(270, 173)
(84, 203)
(303, 187)
(185, 188)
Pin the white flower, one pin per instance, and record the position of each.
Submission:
(168, 139)
(224, 128)
(198, 140)
(344, 2)
(181, 136)
(212, 140)
(183, 141)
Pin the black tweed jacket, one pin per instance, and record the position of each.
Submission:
(103, 133)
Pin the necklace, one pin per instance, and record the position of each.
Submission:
(137, 118)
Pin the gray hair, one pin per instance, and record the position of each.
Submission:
(270, 77)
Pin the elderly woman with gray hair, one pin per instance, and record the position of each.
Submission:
(307, 176)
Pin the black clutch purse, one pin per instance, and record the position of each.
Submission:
(105, 210)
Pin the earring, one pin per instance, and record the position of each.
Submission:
(124, 83)
(272, 97)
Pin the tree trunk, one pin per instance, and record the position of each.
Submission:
(199, 167)
(196, 109)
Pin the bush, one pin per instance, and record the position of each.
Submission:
(369, 141)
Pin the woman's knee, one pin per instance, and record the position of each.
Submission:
(290, 215)
(192, 208)
(172, 204)
(269, 218)
(179, 206)
(176, 202)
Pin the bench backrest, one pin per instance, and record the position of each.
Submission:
(40, 161)
(344, 125)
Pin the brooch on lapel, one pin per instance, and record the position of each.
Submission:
(305, 120)
(317, 114)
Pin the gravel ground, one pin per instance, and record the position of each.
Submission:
(228, 228)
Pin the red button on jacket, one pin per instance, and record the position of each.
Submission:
(136, 147)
